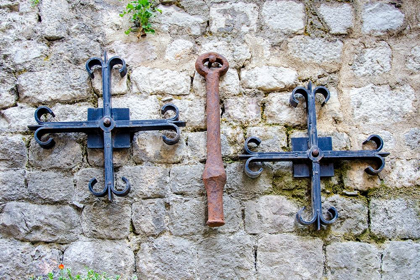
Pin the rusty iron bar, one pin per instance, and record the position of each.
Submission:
(212, 66)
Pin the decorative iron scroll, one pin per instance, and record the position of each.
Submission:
(313, 156)
(106, 127)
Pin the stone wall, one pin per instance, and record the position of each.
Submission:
(366, 52)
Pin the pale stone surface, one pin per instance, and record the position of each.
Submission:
(352, 214)
(300, 258)
(395, 218)
(401, 260)
(179, 49)
(269, 78)
(380, 105)
(7, 91)
(270, 214)
(48, 86)
(403, 173)
(232, 140)
(118, 84)
(236, 52)
(379, 18)
(12, 152)
(50, 187)
(187, 180)
(141, 108)
(16, 119)
(187, 216)
(130, 51)
(315, 49)
(412, 138)
(76, 50)
(82, 195)
(121, 157)
(66, 153)
(167, 256)
(12, 185)
(106, 220)
(40, 223)
(174, 20)
(54, 16)
(243, 110)
(228, 84)
(112, 257)
(156, 81)
(20, 260)
(228, 257)
(149, 147)
(192, 112)
(148, 216)
(273, 138)
(339, 18)
(279, 111)
(413, 60)
(232, 210)
(197, 150)
(373, 61)
(233, 18)
(284, 16)
(353, 260)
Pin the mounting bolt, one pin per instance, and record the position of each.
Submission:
(107, 122)
(315, 152)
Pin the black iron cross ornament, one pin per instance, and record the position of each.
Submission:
(313, 156)
(107, 127)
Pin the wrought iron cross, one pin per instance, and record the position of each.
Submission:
(107, 127)
(313, 156)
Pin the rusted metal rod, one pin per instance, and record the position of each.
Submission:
(212, 66)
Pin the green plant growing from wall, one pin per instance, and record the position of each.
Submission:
(35, 3)
(141, 11)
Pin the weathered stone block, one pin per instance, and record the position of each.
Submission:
(178, 50)
(167, 257)
(269, 78)
(156, 81)
(413, 60)
(12, 185)
(236, 52)
(243, 110)
(300, 258)
(401, 260)
(373, 61)
(353, 260)
(54, 16)
(192, 112)
(339, 18)
(7, 91)
(379, 18)
(197, 150)
(315, 49)
(51, 86)
(412, 138)
(270, 214)
(395, 218)
(16, 119)
(187, 180)
(231, 139)
(284, 16)
(278, 110)
(112, 257)
(118, 84)
(187, 216)
(82, 195)
(106, 220)
(226, 256)
(149, 216)
(50, 187)
(273, 138)
(233, 18)
(228, 84)
(141, 108)
(232, 211)
(40, 223)
(174, 20)
(402, 173)
(121, 157)
(12, 152)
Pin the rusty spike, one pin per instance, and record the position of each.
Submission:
(214, 175)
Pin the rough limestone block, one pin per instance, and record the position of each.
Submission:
(176, 21)
(273, 138)
(226, 257)
(40, 223)
(12, 185)
(268, 78)
(270, 214)
(12, 152)
(353, 260)
(187, 180)
(228, 84)
(156, 81)
(112, 257)
(243, 110)
(373, 61)
(178, 50)
(20, 260)
(16, 119)
(240, 185)
(401, 260)
(7, 91)
(232, 211)
(82, 195)
(118, 84)
(106, 220)
(197, 149)
(148, 217)
(233, 18)
(50, 187)
(412, 138)
(403, 173)
(192, 112)
(69, 113)
(339, 18)
(167, 256)
(379, 18)
(413, 60)
(130, 51)
(78, 49)
(29, 55)
(66, 153)
(141, 108)
(286, 256)
(121, 157)
(51, 86)
(279, 111)
(187, 216)
(352, 214)
(315, 49)
(148, 146)
(54, 16)
(236, 52)
(146, 181)
(231, 139)
(284, 17)
(379, 105)
(395, 218)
